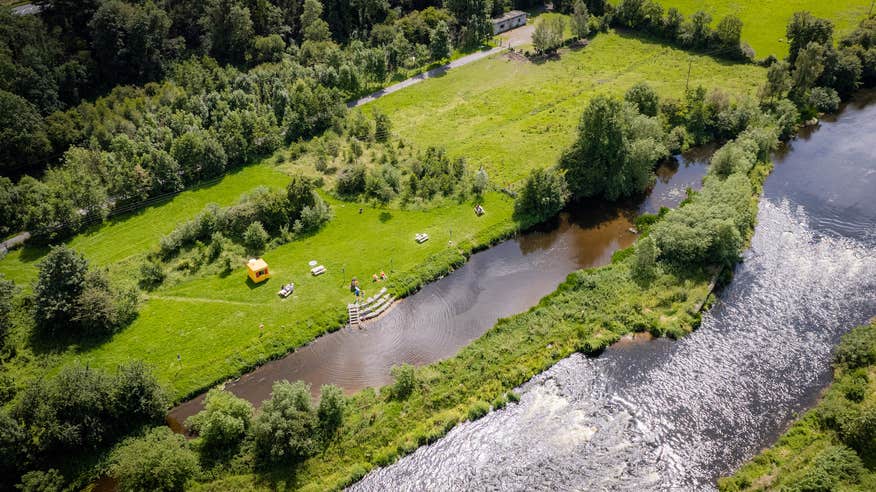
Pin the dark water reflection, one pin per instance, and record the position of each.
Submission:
(662, 415)
(448, 314)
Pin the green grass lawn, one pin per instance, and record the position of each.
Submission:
(513, 116)
(115, 242)
(764, 22)
(213, 322)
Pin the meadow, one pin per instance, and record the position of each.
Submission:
(764, 22)
(511, 116)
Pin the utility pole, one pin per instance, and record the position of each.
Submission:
(689, 65)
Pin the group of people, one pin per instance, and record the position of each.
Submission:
(354, 283)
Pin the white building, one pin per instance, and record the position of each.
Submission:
(509, 21)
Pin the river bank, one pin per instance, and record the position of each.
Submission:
(830, 445)
(448, 314)
(664, 415)
(588, 312)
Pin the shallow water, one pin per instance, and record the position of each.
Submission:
(448, 314)
(663, 415)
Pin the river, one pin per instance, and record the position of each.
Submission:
(450, 313)
(676, 415)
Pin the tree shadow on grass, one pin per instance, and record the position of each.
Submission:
(656, 41)
(385, 217)
(60, 341)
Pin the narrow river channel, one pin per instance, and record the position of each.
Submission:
(450, 313)
(664, 415)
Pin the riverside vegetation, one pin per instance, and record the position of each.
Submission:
(199, 309)
(832, 446)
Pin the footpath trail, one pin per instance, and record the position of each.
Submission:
(435, 72)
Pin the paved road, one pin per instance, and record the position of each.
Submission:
(425, 75)
(26, 9)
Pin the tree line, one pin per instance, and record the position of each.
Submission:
(243, 79)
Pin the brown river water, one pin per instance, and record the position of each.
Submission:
(450, 313)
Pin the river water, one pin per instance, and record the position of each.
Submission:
(664, 415)
(450, 313)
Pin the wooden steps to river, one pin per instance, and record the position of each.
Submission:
(372, 308)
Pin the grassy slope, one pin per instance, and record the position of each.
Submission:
(788, 461)
(764, 21)
(512, 116)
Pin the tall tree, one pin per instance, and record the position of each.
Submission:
(227, 28)
(805, 28)
(22, 132)
(580, 20)
(128, 40)
(472, 16)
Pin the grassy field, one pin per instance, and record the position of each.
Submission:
(764, 21)
(513, 116)
(807, 453)
(118, 241)
(212, 322)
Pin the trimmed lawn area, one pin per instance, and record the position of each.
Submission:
(119, 240)
(213, 322)
(764, 22)
(512, 116)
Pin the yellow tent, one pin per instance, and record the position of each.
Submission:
(257, 270)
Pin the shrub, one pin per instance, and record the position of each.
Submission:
(543, 196)
(831, 466)
(857, 348)
(858, 429)
(314, 216)
(151, 274)
(286, 428)
(50, 480)
(160, 461)
(824, 99)
(351, 181)
(481, 181)
(255, 238)
(644, 98)
(331, 409)
(645, 262)
(478, 409)
(405, 381)
(223, 423)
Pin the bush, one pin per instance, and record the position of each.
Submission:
(477, 410)
(286, 429)
(255, 238)
(645, 263)
(223, 423)
(351, 181)
(7, 294)
(543, 196)
(831, 466)
(68, 296)
(481, 181)
(83, 409)
(644, 98)
(824, 99)
(50, 480)
(331, 409)
(159, 461)
(314, 216)
(151, 274)
(405, 381)
(858, 430)
(857, 348)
